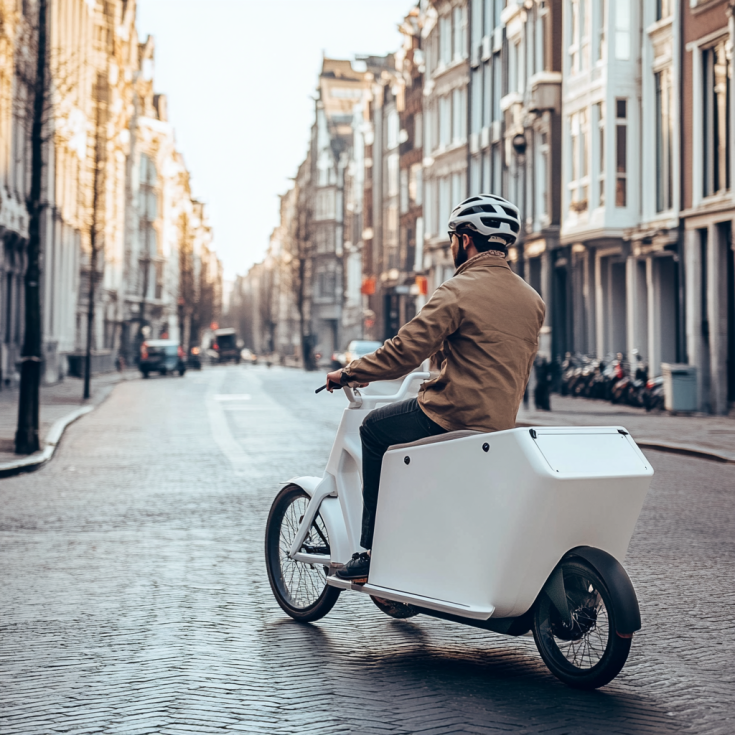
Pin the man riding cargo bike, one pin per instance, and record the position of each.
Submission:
(484, 324)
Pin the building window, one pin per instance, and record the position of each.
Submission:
(459, 44)
(540, 37)
(622, 29)
(600, 115)
(148, 198)
(541, 167)
(476, 28)
(475, 175)
(393, 174)
(458, 191)
(457, 132)
(404, 190)
(445, 120)
(415, 184)
(487, 173)
(664, 136)
(430, 208)
(497, 86)
(477, 100)
(601, 38)
(418, 130)
(663, 9)
(326, 285)
(717, 137)
(445, 195)
(393, 125)
(584, 32)
(429, 122)
(574, 36)
(621, 153)
(579, 179)
(445, 39)
(514, 67)
(497, 186)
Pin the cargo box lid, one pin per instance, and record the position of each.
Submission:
(591, 452)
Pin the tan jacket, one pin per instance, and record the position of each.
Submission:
(486, 322)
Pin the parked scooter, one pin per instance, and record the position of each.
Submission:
(513, 531)
(653, 395)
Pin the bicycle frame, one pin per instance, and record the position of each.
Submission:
(337, 495)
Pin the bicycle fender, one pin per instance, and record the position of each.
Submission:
(307, 484)
(617, 581)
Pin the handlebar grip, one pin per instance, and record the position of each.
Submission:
(332, 384)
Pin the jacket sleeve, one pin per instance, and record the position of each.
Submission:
(415, 341)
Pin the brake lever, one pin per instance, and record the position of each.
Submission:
(332, 384)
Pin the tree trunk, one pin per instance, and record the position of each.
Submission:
(26, 436)
(93, 245)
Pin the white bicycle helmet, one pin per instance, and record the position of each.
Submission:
(491, 216)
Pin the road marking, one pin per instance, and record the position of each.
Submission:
(224, 397)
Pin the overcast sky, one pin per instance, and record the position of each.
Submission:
(239, 76)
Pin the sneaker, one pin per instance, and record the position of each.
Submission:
(356, 569)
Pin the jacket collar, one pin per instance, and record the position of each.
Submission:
(482, 259)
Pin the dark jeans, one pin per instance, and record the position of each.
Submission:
(398, 423)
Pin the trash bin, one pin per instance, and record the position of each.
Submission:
(680, 387)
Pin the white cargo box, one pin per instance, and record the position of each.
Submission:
(479, 522)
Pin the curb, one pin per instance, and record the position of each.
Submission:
(664, 447)
(36, 460)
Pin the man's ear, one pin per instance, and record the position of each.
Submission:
(467, 241)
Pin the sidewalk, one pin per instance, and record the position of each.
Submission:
(60, 405)
(700, 435)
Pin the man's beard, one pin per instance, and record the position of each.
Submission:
(461, 256)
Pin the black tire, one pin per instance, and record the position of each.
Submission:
(395, 609)
(314, 598)
(590, 654)
(164, 371)
(145, 373)
(181, 373)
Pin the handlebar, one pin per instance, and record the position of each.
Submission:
(357, 400)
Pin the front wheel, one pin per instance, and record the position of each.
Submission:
(589, 653)
(300, 589)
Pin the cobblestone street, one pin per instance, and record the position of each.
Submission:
(135, 597)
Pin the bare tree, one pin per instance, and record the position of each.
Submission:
(187, 295)
(99, 143)
(300, 272)
(26, 435)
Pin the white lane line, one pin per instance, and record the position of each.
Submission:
(221, 431)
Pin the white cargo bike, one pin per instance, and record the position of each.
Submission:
(513, 531)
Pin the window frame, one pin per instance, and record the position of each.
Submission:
(621, 134)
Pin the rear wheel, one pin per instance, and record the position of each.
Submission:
(588, 653)
(145, 373)
(300, 589)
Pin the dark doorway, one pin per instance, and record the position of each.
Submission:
(559, 328)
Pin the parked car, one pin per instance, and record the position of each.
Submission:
(225, 345)
(162, 356)
(360, 348)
